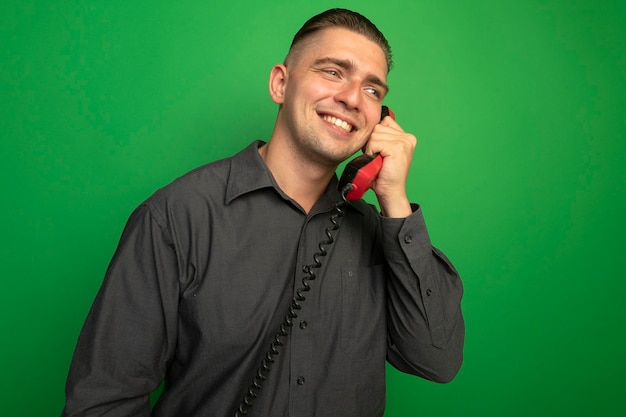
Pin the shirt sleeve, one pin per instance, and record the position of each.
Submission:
(129, 334)
(425, 325)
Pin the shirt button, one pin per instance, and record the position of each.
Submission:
(429, 292)
(300, 380)
(408, 239)
(303, 324)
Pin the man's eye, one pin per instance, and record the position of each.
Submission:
(332, 72)
(373, 91)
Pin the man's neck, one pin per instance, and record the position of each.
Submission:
(301, 180)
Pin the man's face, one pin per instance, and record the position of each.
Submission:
(333, 94)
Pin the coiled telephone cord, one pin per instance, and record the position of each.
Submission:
(266, 364)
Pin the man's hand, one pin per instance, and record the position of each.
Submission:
(396, 147)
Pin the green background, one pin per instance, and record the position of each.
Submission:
(520, 112)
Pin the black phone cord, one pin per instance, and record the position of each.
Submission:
(266, 364)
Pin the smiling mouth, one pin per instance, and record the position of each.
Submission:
(338, 122)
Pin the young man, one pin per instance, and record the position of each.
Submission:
(208, 267)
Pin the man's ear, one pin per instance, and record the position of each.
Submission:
(278, 81)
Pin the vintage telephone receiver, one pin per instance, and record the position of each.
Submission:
(362, 171)
(356, 179)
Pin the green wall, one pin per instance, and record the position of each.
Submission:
(520, 111)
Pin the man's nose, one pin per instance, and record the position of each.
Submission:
(350, 95)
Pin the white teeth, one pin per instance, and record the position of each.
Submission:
(338, 122)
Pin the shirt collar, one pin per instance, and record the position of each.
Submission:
(248, 173)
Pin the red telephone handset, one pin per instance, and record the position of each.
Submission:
(362, 171)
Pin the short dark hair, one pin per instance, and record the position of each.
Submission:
(347, 19)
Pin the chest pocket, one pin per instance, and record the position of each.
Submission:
(363, 317)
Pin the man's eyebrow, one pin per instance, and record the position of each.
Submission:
(349, 66)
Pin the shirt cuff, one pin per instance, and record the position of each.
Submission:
(400, 234)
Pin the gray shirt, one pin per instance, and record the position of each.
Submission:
(204, 274)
